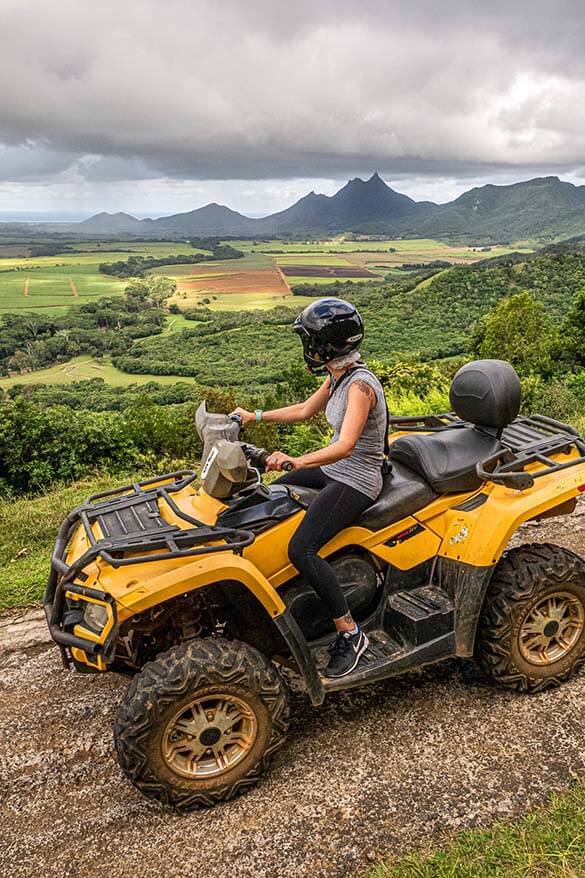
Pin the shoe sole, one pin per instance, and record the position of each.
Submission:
(358, 656)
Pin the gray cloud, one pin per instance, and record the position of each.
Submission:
(194, 89)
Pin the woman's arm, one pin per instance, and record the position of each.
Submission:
(291, 414)
(360, 400)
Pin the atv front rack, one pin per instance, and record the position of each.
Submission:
(134, 532)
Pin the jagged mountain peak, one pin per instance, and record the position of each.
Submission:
(541, 206)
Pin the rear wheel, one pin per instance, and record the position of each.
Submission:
(198, 724)
(532, 627)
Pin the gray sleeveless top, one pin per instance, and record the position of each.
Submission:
(362, 470)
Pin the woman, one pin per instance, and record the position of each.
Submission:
(348, 471)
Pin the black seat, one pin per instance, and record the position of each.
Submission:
(446, 460)
(403, 493)
(486, 395)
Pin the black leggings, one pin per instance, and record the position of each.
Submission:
(336, 506)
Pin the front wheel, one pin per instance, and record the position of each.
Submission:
(532, 627)
(197, 725)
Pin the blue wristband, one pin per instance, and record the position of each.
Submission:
(258, 415)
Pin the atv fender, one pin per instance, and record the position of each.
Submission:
(205, 570)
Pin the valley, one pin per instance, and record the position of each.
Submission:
(117, 336)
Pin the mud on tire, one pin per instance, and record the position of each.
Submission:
(203, 669)
(522, 580)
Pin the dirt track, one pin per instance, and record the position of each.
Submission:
(383, 770)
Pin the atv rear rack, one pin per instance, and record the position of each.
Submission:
(134, 532)
(507, 467)
(426, 423)
(527, 440)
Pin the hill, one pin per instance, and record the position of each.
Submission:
(110, 223)
(432, 319)
(544, 208)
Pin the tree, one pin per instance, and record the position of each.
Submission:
(518, 330)
(573, 332)
(155, 289)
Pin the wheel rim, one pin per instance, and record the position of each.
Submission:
(551, 628)
(209, 736)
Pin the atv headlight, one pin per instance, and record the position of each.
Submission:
(95, 617)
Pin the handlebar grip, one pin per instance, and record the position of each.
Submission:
(237, 419)
(287, 466)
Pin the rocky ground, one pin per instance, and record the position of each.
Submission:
(374, 772)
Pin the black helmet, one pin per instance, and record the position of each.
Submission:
(329, 328)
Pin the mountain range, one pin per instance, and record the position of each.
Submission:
(545, 208)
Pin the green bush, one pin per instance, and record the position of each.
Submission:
(41, 445)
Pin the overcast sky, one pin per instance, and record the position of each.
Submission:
(155, 107)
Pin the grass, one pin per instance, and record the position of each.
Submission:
(548, 843)
(244, 301)
(80, 368)
(28, 527)
(176, 323)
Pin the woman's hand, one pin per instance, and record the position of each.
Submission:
(277, 460)
(246, 417)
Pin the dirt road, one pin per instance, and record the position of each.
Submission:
(374, 772)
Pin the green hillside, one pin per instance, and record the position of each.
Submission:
(432, 319)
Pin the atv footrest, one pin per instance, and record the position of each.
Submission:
(381, 648)
(416, 617)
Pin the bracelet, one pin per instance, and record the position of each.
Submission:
(259, 414)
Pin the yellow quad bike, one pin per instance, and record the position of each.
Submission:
(191, 591)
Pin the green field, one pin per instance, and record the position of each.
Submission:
(50, 287)
(312, 259)
(408, 248)
(81, 368)
(248, 301)
(47, 279)
(156, 248)
(324, 281)
(176, 323)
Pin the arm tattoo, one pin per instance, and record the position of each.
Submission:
(366, 389)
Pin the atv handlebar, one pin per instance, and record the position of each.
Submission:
(257, 458)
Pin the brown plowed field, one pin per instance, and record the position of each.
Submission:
(324, 271)
(267, 280)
